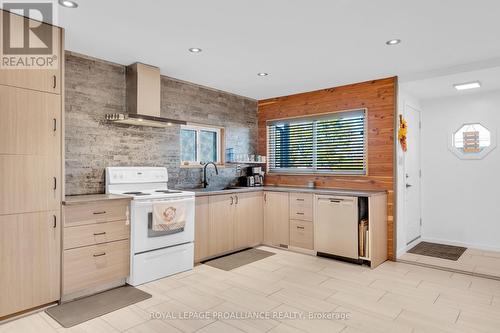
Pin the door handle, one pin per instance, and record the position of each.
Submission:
(408, 185)
(55, 222)
(54, 81)
(232, 200)
(236, 199)
(55, 183)
(55, 124)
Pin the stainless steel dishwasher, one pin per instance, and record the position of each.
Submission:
(336, 225)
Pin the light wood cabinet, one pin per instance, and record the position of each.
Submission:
(248, 228)
(92, 266)
(276, 219)
(31, 182)
(96, 245)
(30, 252)
(301, 234)
(46, 80)
(31, 122)
(201, 229)
(221, 224)
(225, 223)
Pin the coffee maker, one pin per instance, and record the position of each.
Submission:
(254, 177)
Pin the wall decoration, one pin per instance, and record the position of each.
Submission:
(472, 141)
(402, 132)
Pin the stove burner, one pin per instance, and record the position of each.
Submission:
(136, 193)
(168, 191)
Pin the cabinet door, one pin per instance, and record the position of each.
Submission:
(221, 227)
(248, 228)
(48, 80)
(29, 183)
(31, 122)
(30, 256)
(30, 151)
(276, 219)
(201, 236)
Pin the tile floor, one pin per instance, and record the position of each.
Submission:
(395, 297)
(477, 262)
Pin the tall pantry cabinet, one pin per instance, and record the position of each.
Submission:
(31, 183)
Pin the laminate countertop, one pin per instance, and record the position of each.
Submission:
(326, 191)
(88, 198)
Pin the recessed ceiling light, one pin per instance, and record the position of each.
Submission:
(195, 50)
(262, 74)
(393, 42)
(68, 3)
(467, 85)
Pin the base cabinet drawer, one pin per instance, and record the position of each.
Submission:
(91, 266)
(301, 234)
(96, 212)
(93, 234)
(301, 206)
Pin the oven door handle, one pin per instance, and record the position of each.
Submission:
(150, 202)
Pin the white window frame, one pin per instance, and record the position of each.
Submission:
(198, 128)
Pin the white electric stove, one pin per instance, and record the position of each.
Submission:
(153, 254)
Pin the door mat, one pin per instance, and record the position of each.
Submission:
(79, 311)
(435, 250)
(238, 259)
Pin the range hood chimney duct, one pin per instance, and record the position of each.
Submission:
(143, 98)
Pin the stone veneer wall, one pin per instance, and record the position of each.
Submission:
(95, 87)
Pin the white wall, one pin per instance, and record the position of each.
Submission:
(461, 198)
(405, 100)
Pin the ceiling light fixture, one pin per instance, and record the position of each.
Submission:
(467, 85)
(262, 74)
(68, 3)
(195, 50)
(394, 42)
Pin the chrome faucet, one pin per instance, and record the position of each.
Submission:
(205, 183)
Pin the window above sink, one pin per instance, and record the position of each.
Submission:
(200, 144)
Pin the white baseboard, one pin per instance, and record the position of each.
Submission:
(405, 249)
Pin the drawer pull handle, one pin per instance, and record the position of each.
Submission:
(99, 233)
(99, 213)
(298, 213)
(100, 254)
(299, 227)
(300, 199)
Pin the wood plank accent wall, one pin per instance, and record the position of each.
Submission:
(379, 97)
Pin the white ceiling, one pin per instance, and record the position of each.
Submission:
(442, 86)
(304, 44)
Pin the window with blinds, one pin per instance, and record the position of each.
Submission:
(333, 143)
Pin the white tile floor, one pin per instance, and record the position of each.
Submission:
(394, 297)
(474, 261)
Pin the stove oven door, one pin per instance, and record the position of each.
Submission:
(144, 238)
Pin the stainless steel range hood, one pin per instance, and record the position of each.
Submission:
(143, 99)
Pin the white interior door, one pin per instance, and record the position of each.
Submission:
(413, 210)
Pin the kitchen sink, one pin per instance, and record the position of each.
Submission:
(211, 189)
